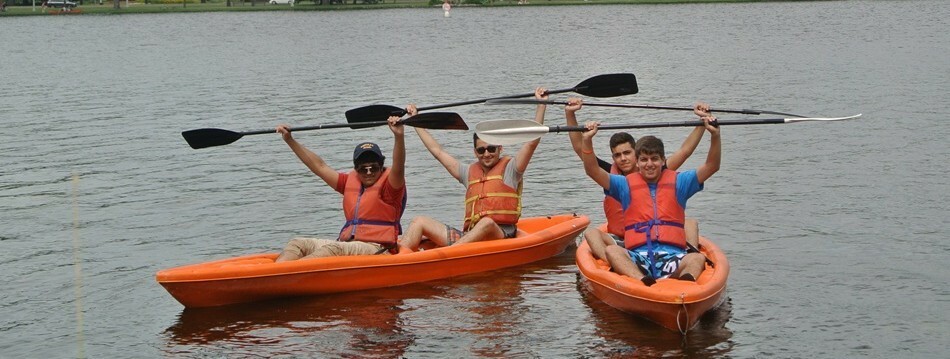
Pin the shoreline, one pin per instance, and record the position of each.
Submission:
(192, 6)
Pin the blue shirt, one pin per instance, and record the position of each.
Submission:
(687, 184)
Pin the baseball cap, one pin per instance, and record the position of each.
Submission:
(367, 149)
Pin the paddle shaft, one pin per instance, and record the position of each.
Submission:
(411, 121)
(654, 107)
(210, 137)
(401, 112)
(472, 102)
(318, 127)
(507, 132)
(606, 85)
(763, 121)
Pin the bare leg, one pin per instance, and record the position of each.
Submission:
(598, 241)
(692, 264)
(621, 263)
(691, 226)
(426, 227)
(484, 229)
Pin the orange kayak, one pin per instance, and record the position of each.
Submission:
(257, 277)
(672, 303)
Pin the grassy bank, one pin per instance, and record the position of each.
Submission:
(137, 7)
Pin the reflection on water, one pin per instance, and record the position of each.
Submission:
(479, 314)
(364, 324)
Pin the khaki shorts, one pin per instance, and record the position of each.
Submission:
(307, 247)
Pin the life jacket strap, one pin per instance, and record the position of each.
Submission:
(357, 221)
(492, 194)
(485, 179)
(647, 227)
(644, 227)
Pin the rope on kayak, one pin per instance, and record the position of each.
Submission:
(683, 310)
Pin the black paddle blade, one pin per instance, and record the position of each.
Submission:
(210, 137)
(372, 113)
(437, 121)
(608, 85)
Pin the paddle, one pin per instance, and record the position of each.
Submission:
(507, 101)
(210, 137)
(509, 132)
(607, 85)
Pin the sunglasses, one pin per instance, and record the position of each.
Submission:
(490, 149)
(369, 169)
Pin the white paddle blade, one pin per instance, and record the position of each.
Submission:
(793, 120)
(509, 132)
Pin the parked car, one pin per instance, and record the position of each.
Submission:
(281, 1)
(60, 3)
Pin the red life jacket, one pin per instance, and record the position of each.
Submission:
(488, 196)
(652, 219)
(613, 210)
(368, 218)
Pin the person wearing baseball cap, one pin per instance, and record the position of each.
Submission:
(374, 198)
(367, 152)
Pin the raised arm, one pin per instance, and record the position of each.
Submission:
(679, 157)
(447, 161)
(714, 158)
(689, 145)
(397, 173)
(587, 155)
(309, 158)
(527, 150)
(573, 105)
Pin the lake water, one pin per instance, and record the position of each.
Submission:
(836, 232)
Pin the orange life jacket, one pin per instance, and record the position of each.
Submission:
(649, 219)
(368, 218)
(489, 196)
(614, 211)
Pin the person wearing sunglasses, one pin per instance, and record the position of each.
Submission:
(374, 198)
(653, 201)
(493, 191)
(624, 163)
